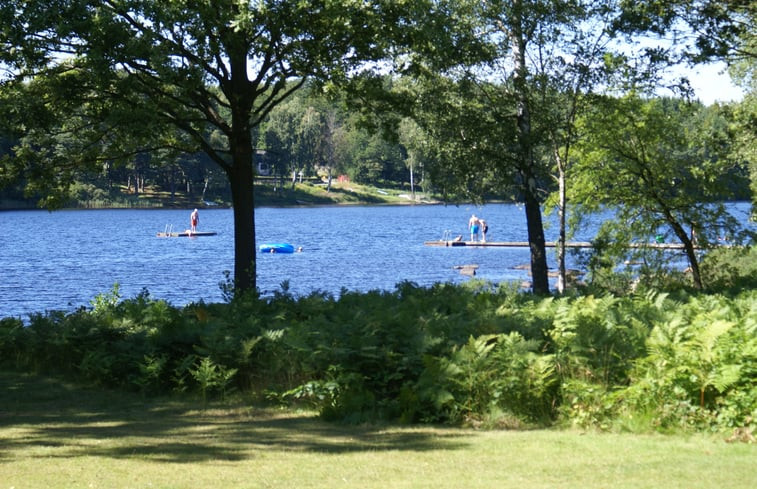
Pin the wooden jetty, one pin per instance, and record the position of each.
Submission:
(548, 244)
(186, 234)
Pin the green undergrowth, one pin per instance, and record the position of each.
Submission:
(471, 355)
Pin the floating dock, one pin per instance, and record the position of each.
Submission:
(548, 244)
(186, 234)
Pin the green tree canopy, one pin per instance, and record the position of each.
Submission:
(87, 79)
(661, 164)
(702, 29)
(501, 111)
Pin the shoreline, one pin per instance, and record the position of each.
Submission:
(262, 206)
(303, 195)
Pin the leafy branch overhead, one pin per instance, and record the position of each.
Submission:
(190, 75)
(493, 94)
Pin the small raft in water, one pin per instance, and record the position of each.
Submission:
(186, 234)
(277, 248)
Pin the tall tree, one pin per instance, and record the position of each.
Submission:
(515, 23)
(660, 164)
(743, 69)
(126, 70)
(512, 98)
(745, 134)
(308, 142)
(570, 67)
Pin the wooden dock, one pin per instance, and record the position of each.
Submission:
(186, 234)
(548, 244)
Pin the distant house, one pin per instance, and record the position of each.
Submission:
(263, 167)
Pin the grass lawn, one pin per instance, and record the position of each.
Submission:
(303, 194)
(55, 435)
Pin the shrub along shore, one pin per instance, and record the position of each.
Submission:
(470, 355)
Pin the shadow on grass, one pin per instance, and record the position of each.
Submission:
(49, 418)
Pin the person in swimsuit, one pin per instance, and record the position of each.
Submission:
(473, 224)
(484, 230)
(194, 219)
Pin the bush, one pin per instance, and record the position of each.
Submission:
(731, 269)
(471, 354)
(597, 339)
(700, 368)
(493, 373)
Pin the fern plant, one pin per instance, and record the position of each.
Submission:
(151, 370)
(492, 373)
(700, 355)
(210, 375)
(459, 386)
(526, 381)
(596, 339)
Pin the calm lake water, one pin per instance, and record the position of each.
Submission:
(62, 260)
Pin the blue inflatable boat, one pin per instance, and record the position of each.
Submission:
(276, 248)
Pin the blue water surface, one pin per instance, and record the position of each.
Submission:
(62, 260)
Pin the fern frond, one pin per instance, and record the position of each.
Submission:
(707, 338)
(725, 377)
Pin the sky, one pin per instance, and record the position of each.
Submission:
(712, 84)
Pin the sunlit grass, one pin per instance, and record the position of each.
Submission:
(340, 193)
(59, 436)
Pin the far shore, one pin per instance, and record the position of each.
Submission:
(301, 195)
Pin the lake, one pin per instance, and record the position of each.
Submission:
(62, 260)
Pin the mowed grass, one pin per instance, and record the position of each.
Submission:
(56, 435)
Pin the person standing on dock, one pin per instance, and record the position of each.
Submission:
(194, 219)
(473, 224)
(484, 230)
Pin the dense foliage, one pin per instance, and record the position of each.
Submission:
(663, 165)
(308, 136)
(87, 86)
(88, 82)
(494, 95)
(474, 354)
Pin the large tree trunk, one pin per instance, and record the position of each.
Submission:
(694, 264)
(243, 199)
(688, 247)
(242, 178)
(241, 172)
(539, 272)
(685, 239)
(540, 280)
